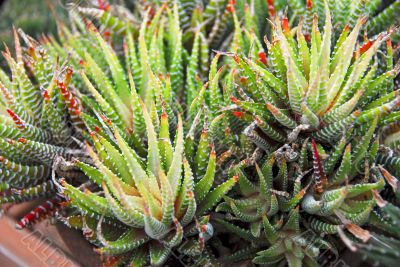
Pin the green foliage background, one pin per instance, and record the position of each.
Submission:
(32, 16)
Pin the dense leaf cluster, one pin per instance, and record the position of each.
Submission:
(201, 130)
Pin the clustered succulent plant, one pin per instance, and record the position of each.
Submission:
(200, 129)
(41, 123)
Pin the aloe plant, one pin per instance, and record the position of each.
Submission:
(160, 200)
(40, 126)
(217, 20)
(314, 112)
(195, 136)
(157, 193)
